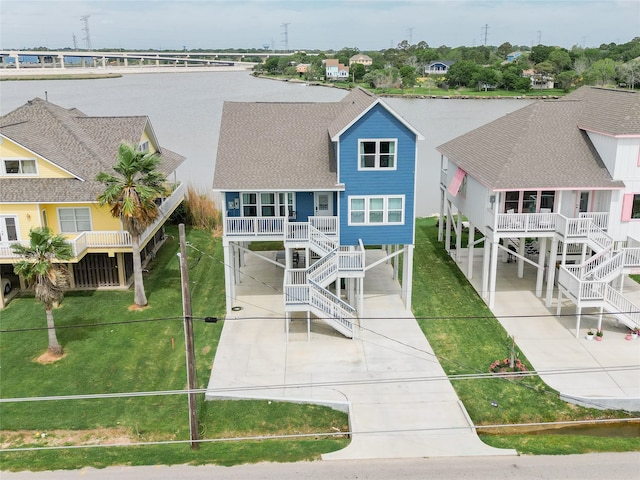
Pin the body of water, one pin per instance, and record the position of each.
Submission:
(185, 110)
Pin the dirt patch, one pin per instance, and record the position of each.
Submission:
(47, 358)
(137, 308)
(53, 438)
(206, 349)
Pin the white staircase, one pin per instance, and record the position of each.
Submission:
(306, 289)
(589, 284)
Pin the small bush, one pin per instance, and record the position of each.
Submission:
(199, 211)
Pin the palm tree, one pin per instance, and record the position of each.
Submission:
(40, 270)
(131, 195)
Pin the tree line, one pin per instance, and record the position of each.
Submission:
(477, 67)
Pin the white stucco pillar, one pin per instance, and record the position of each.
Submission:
(541, 257)
(61, 57)
(551, 270)
(471, 244)
(407, 276)
(228, 275)
(521, 252)
(492, 274)
(486, 262)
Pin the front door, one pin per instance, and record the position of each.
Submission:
(8, 229)
(583, 202)
(323, 204)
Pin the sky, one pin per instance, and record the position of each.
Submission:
(312, 24)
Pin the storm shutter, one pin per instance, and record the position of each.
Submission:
(454, 186)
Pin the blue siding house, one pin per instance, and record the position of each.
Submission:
(327, 180)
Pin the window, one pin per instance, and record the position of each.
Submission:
(285, 201)
(377, 210)
(631, 207)
(143, 146)
(377, 154)
(529, 201)
(73, 220)
(268, 204)
(20, 167)
(249, 205)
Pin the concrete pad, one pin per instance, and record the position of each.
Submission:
(400, 402)
(550, 344)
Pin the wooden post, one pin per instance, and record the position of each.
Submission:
(188, 340)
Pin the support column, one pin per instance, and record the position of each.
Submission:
(486, 262)
(61, 57)
(122, 277)
(521, 252)
(17, 60)
(443, 196)
(395, 261)
(541, 257)
(551, 272)
(471, 247)
(578, 318)
(228, 276)
(447, 233)
(407, 276)
(492, 274)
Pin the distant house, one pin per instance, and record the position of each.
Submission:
(49, 158)
(327, 180)
(302, 67)
(439, 67)
(513, 56)
(539, 81)
(334, 70)
(553, 187)
(362, 59)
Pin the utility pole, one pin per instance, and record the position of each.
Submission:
(485, 29)
(188, 341)
(85, 29)
(539, 37)
(285, 35)
(410, 29)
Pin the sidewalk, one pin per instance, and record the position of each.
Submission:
(595, 374)
(400, 402)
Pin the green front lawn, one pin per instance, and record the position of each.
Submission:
(111, 349)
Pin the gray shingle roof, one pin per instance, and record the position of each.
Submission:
(539, 146)
(614, 112)
(81, 145)
(282, 146)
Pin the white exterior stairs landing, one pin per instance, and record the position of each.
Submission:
(305, 289)
(589, 284)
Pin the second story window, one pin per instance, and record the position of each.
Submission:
(377, 154)
(73, 220)
(19, 166)
(143, 146)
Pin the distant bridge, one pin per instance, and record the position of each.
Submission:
(62, 58)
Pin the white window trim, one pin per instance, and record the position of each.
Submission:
(385, 210)
(75, 220)
(20, 159)
(378, 167)
(16, 225)
(275, 205)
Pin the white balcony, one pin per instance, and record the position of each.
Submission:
(100, 240)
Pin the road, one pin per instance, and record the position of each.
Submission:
(600, 466)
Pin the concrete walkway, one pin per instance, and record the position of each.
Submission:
(596, 374)
(399, 400)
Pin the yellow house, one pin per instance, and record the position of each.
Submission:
(49, 158)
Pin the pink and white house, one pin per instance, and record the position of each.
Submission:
(556, 183)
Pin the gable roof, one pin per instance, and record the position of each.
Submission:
(81, 145)
(611, 112)
(284, 146)
(539, 146)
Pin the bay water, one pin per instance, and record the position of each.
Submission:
(185, 111)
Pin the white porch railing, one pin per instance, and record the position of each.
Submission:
(332, 309)
(327, 225)
(111, 238)
(254, 226)
(526, 222)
